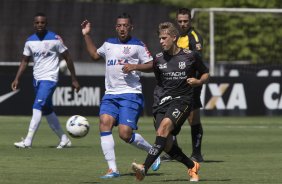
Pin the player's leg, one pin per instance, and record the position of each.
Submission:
(54, 124)
(194, 120)
(196, 135)
(36, 115)
(131, 106)
(47, 109)
(163, 131)
(108, 116)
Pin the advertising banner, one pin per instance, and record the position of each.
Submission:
(222, 96)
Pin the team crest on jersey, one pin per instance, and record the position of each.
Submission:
(182, 65)
(126, 50)
(198, 46)
(162, 66)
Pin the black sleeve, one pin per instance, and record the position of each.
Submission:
(199, 64)
(195, 45)
(156, 69)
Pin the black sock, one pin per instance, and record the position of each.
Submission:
(154, 152)
(177, 154)
(175, 140)
(197, 134)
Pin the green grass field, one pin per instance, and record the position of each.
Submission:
(237, 150)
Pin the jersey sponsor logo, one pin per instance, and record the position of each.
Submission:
(126, 50)
(8, 95)
(42, 54)
(175, 74)
(117, 62)
(182, 65)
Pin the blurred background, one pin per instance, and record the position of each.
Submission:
(242, 47)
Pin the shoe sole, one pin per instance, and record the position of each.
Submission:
(138, 172)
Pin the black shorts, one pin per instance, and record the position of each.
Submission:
(197, 97)
(177, 111)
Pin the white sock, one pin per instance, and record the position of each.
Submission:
(54, 124)
(108, 147)
(138, 141)
(33, 126)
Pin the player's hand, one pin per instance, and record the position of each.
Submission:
(128, 68)
(76, 85)
(193, 82)
(86, 27)
(14, 85)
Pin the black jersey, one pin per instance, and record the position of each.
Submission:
(172, 72)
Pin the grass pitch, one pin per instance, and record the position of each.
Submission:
(236, 150)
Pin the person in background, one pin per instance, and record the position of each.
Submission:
(44, 48)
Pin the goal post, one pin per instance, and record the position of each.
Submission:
(212, 12)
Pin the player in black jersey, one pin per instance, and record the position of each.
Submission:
(174, 70)
(190, 39)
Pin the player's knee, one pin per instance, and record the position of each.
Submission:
(125, 137)
(104, 126)
(163, 131)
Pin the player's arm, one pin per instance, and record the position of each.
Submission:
(196, 44)
(146, 67)
(203, 72)
(91, 48)
(71, 68)
(22, 68)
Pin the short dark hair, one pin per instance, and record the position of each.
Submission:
(40, 14)
(183, 11)
(125, 16)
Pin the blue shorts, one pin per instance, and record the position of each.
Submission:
(125, 108)
(44, 90)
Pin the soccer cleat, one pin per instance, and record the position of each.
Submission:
(166, 158)
(156, 165)
(193, 173)
(197, 158)
(64, 144)
(21, 144)
(139, 171)
(111, 174)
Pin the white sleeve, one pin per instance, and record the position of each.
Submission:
(27, 51)
(144, 54)
(61, 46)
(101, 50)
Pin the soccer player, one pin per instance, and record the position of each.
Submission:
(121, 106)
(45, 48)
(174, 70)
(190, 39)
